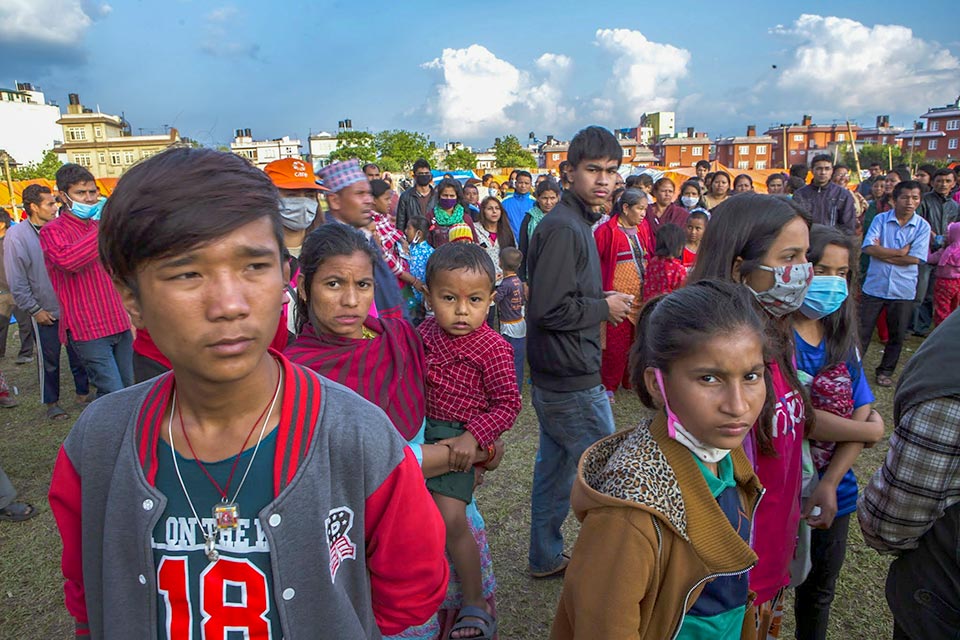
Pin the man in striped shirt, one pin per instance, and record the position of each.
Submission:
(93, 319)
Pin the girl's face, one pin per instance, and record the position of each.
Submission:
(742, 185)
(447, 192)
(382, 203)
(341, 293)
(413, 234)
(878, 188)
(633, 214)
(695, 229)
(834, 262)
(889, 183)
(664, 194)
(504, 188)
(775, 187)
(689, 192)
(547, 201)
(790, 247)
(491, 212)
(717, 390)
(720, 185)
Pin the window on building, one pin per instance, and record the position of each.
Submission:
(932, 145)
(952, 144)
(76, 133)
(743, 149)
(760, 165)
(697, 151)
(934, 125)
(146, 153)
(114, 157)
(953, 125)
(761, 149)
(798, 137)
(129, 157)
(98, 132)
(743, 164)
(556, 156)
(626, 152)
(102, 157)
(82, 159)
(841, 137)
(683, 149)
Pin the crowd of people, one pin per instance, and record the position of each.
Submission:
(322, 388)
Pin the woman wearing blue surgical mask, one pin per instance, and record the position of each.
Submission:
(828, 363)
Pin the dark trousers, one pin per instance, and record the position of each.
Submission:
(811, 607)
(922, 319)
(898, 320)
(48, 364)
(519, 356)
(24, 327)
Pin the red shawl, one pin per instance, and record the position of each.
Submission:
(611, 241)
(673, 214)
(387, 370)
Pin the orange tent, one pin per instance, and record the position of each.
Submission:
(106, 186)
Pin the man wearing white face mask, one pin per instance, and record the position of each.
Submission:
(92, 315)
(298, 208)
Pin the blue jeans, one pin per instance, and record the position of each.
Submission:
(519, 357)
(569, 423)
(109, 361)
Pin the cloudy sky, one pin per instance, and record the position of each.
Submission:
(458, 73)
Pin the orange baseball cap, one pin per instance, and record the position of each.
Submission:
(292, 173)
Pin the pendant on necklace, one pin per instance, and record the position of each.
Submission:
(210, 547)
(226, 515)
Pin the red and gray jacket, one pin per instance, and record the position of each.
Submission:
(334, 451)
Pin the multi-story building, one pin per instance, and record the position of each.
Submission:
(745, 153)
(103, 143)
(260, 153)
(28, 125)
(321, 145)
(486, 160)
(551, 154)
(941, 138)
(683, 151)
(662, 124)
(883, 133)
(798, 143)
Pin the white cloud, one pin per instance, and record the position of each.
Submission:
(222, 14)
(480, 94)
(52, 23)
(645, 73)
(846, 66)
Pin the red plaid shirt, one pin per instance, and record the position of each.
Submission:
(90, 306)
(391, 241)
(471, 379)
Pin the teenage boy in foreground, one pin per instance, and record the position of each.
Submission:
(314, 521)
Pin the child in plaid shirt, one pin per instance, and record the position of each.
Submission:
(472, 398)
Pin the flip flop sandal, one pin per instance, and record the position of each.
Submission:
(56, 413)
(18, 512)
(884, 381)
(482, 622)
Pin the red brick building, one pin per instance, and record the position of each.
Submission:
(883, 133)
(745, 153)
(683, 152)
(552, 154)
(941, 139)
(804, 140)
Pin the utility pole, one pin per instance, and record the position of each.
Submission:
(6, 173)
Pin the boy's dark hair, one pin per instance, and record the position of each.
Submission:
(822, 157)
(901, 171)
(632, 182)
(745, 227)
(840, 327)
(905, 185)
(799, 170)
(675, 325)
(564, 165)
(524, 174)
(594, 143)
(928, 169)
(460, 255)
(699, 215)
(379, 187)
(178, 200)
(548, 185)
(875, 164)
(71, 174)
(421, 163)
(510, 259)
(943, 172)
(708, 179)
(32, 194)
(839, 166)
(327, 241)
(775, 176)
(702, 163)
(794, 184)
(670, 241)
(646, 180)
(419, 223)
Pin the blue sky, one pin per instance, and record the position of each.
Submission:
(458, 73)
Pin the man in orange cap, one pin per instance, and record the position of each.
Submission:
(298, 188)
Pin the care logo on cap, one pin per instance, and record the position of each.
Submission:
(299, 169)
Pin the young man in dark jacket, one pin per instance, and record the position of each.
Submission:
(567, 305)
(828, 203)
(239, 491)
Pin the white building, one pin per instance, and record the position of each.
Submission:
(260, 153)
(321, 145)
(28, 125)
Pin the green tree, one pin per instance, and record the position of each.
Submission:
(509, 153)
(462, 158)
(386, 163)
(354, 144)
(885, 154)
(46, 168)
(403, 147)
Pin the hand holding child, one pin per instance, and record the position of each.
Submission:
(462, 449)
(820, 508)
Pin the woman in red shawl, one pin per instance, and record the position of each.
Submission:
(380, 359)
(623, 242)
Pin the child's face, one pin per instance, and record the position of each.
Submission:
(717, 390)
(834, 262)
(413, 234)
(695, 229)
(460, 300)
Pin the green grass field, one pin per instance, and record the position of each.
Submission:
(31, 604)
